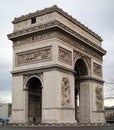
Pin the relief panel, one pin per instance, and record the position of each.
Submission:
(33, 38)
(65, 56)
(33, 56)
(97, 69)
(66, 93)
(99, 99)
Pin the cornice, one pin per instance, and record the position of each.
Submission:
(56, 25)
(43, 69)
(59, 10)
(92, 79)
(55, 67)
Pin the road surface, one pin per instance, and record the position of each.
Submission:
(60, 128)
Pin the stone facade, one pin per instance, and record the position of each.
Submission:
(33, 56)
(53, 54)
(109, 114)
(5, 110)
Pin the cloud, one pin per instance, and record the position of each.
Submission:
(5, 75)
(97, 15)
(109, 58)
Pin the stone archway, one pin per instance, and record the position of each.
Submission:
(80, 71)
(51, 50)
(34, 100)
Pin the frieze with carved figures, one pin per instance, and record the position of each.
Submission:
(33, 56)
(66, 92)
(99, 99)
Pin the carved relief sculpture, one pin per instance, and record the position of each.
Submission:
(77, 55)
(66, 93)
(74, 48)
(97, 69)
(99, 99)
(33, 38)
(65, 55)
(33, 56)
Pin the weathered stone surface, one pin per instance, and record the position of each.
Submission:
(61, 57)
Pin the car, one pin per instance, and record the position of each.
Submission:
(0, 120)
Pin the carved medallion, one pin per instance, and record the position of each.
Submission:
(66, 93)
(33, 56)
(65, 55)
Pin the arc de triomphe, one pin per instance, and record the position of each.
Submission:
(57, 69)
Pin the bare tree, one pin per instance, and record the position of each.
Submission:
(109, 89)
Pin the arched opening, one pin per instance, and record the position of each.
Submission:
(34, 100)
(80, 70)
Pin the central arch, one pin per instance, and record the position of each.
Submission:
(34, 100)
(80, 71)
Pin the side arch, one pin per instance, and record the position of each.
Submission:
(33, 87)
(85, 62)
(27, 78)
(81, 69)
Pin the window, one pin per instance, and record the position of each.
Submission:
(33, 20)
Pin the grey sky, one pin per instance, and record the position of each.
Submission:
(98, 15)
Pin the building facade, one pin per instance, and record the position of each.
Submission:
(5, 110)
(109, 114)
(57, 69)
